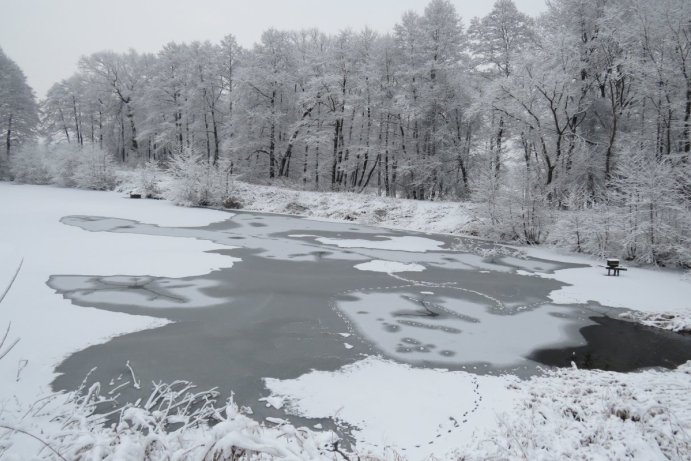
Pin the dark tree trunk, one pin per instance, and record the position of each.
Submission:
(687, 120)
(371, 171)
(214, 126)
(133, 142)
(334, 164)
(272, 138)
(387, 188)
(77, 130)
(64, 126)
(100, 129)
(8, 141)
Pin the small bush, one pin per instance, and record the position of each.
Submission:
(197, 182)
(232, 203)
(148, 178)
(295, 208)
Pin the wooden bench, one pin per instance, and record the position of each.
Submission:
(613, 267)
(614, 270)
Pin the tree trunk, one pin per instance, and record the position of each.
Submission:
(80, 140)
(133, 143)
(304, 166)
(100, 129)
(8, 141)
(208, 139)
(387, 187)
(337, 128)
(285, 160)
(122, 140)
(498, 146)
(687, 120)
(272, 137)
(64, 125)
(369, 176)
(367, 142)
(214, 126)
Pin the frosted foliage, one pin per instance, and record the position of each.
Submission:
(148, 180)
(31, 166)
(65, 165)
(197, 182)
(176, 421)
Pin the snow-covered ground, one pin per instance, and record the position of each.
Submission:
(655, 297)
(567, 414)
(416, 215)
(397, 412)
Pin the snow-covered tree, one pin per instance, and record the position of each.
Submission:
(539, 120)
(18, 109)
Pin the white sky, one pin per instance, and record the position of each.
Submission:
(47, 37)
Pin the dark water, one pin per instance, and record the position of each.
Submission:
(281, 312)
(617, 345)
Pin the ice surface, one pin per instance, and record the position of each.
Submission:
(138, 292)
(405, 243)
(389, 267)
(455, 330)
(530, 265)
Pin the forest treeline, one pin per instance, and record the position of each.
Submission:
(572, 127)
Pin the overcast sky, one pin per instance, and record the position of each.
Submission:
(47, 37)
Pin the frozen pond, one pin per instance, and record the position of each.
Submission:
(302, 295)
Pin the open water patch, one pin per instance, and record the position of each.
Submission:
(618, 345)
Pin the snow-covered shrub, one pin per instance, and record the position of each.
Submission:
(587, 227)
(148, 180)
(95, 169)
(87, 167)
(186, 171)
(174, 422)
(30, 165)
(512, 205)
(197, 182)
(584, 414)
(65, 165)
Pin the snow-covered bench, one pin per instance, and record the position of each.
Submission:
(615, 270)
(613, 267)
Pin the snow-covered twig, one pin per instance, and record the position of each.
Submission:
(4, 350)
(136, 384)
(29, 434)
